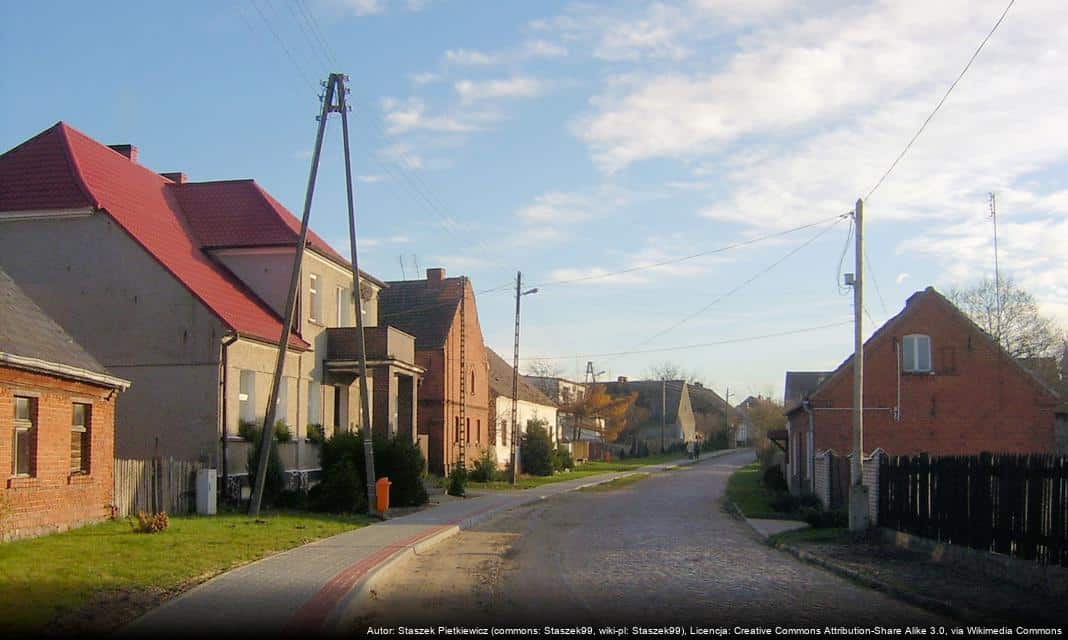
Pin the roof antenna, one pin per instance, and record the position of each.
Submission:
(404, 276)
(415, 261)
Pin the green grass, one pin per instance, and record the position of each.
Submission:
(580, 471)
(618, 483)
(47, 576)
(746, 489)
(837, 534)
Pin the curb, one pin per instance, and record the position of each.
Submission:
(350, 607)
(909, 597)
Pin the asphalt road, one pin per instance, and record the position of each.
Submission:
(659, 552)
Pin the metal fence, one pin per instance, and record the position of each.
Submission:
(154, 485)
(1011, 504)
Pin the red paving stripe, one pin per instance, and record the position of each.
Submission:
(314, 612)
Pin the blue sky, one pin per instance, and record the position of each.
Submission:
(572, 139)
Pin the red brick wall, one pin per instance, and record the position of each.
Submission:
(53, 499)
(439, 392)
(975, 400)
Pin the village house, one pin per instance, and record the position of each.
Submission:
(714, 418)
(57, 423)
(935, 383)
(565, 392)
(531, 404)
(454, 402)
(662, 415)
(180, 286)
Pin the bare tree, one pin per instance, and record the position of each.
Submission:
(544, 369)
(670, 371)
(1019, 327)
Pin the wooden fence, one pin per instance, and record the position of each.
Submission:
(1011, 504)
(154, 485)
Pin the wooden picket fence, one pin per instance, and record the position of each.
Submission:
(154, 485)
(1011, 504)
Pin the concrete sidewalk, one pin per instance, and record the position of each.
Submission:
(310, 587)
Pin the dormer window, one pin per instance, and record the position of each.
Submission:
(916, 353)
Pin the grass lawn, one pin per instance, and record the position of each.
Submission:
(836, 534)
(746, 489)
(103, 565)
(580, 471)
(618, 483)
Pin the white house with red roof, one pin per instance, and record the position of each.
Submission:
(179, 287)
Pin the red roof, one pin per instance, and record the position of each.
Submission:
(62, 168)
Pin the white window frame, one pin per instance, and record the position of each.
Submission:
(246, 396)
(28, 427)
(84, 431)
(911, 351)
(314, 312)
(315, 403)
(344, 304)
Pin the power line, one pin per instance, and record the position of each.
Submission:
(875, 280)
(700, 345)
(942, 101)
(685, 258)
(307, 36)
(745, 283)
(314, 23)
(841, 259)
(289, 54)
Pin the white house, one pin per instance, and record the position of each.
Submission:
(531, 404)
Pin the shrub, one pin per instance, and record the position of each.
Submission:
(810, 500)
(275, 482)
(485, 468)
(774, 479)
(398, 459)
(315, 433)
(820, 519)
(785, 503)
(152, 522)
(282, 432)
(248, 430)
(341, 491)
(457, 481)
(562, 460)
(536, 451)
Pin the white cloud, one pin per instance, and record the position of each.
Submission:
(556, 207)
(411, 115)
(544, 49)
(402, 154)
(469, 57)
(378, 242)
(377, 7)
(364, 7)
(901, 277)
(513, 87)
(372, 178)
(421, 79)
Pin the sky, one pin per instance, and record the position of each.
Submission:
(572, 141)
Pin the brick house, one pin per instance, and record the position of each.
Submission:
(531, 404)
(57, 423)
(934, 382)
(441, 313)
(180, 286)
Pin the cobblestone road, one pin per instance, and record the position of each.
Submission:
(660, 551)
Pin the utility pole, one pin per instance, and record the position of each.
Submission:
(997, 271)
(663, 412)
(858, 493)
(519, 293)
(333, 100)
(462, 462)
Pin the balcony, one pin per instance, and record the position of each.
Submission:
(384, 345)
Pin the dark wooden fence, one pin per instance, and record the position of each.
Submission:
(1011, 504)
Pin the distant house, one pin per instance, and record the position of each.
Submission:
(934, 382)
(663, 413)
(57, 423)
(743, 435)
(180, 286)
(564, 392)
(441, 313)
(713, 416)
(799, 384)
(531, 404)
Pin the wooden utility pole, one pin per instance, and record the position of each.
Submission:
(462, 462)
(333, 100)
(858, 493)
(515, 380)
(663, 412)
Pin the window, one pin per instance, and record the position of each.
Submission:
(344, 307)
(916, 353)
(478, 431)
(315, 403)
(25, 449)
(313, 298)
(281, 411)
(246, 396)
(80, 430)
(472, 392)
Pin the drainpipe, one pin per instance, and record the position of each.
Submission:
(227, 340)
(811, 462)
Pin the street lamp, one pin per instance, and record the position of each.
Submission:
(519, 293)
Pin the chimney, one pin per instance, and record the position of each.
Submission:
(435, 276)
(127, 150)
(699, 385)
(621, 379)
(177, 177)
